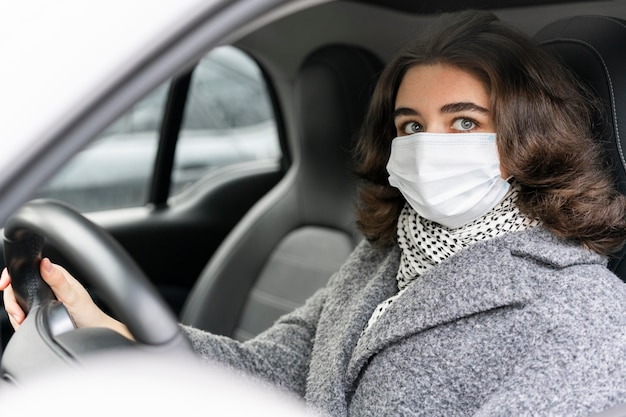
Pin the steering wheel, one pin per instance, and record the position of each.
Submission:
(48, 336)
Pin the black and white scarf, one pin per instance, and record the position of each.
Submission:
(425, 243)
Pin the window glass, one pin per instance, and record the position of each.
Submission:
(115, 169)
(228, 119)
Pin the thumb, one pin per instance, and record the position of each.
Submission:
(71, 293)
(76, 299)
(63, 285)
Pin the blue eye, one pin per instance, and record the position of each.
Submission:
(464, 124)
(412, 127)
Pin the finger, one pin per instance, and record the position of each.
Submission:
(13, 309)
(5, 279)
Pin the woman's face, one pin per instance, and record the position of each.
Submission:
(441, 99)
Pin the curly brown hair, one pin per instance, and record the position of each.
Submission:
(543, 118)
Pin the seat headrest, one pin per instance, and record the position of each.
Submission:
(593, 48)
(333, 89)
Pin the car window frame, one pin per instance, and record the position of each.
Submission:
(174, 110)
(159, 188)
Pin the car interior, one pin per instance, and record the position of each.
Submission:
(297, 235)
(251, 241)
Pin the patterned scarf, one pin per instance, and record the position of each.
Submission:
(425, 243)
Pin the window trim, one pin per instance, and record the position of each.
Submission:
(161, 179)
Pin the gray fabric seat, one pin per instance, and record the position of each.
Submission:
(289, 244)
(592, 46)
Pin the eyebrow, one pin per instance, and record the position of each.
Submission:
(463, 106)
(404, 111)
(447, 108)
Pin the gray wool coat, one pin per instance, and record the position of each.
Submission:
(524, 324)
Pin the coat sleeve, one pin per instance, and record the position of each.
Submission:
(280, 355)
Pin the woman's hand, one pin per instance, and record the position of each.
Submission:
(69, 291)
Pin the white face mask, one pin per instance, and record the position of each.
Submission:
(449, 178)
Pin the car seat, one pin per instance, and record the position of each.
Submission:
(592, 46)
(294, 238)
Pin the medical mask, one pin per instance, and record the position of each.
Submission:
(449, 178)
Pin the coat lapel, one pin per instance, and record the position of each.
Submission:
(483, 277)
(479, 279)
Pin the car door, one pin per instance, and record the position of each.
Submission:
(174, 174)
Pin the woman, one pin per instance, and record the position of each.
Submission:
(482, 286)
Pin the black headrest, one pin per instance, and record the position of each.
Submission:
(333, 91)
(593, 47)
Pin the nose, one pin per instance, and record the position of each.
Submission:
(436, 127)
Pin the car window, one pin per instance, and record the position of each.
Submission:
(228, 119)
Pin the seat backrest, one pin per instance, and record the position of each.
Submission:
(593, 47)
(289, 244)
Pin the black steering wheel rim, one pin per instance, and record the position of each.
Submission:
(103, 263)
